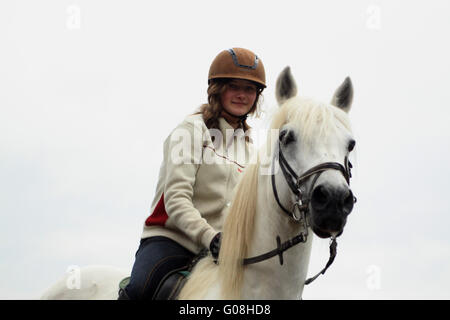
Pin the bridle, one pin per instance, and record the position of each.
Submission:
(295, 182)
(300, 207)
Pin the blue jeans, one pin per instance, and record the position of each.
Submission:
(155, 258)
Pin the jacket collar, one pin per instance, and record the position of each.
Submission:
(224, 125)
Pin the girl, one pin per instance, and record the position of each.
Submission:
(203, 159)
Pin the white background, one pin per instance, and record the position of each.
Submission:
(90, 89)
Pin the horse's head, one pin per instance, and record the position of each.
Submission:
(315, 141)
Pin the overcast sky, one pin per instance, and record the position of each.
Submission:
(90, 89)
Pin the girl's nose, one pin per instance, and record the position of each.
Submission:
(240, 94)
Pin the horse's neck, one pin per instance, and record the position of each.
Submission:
(268, 279)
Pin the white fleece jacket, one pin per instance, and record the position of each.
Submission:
(196, 181)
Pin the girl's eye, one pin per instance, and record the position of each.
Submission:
(247, 89)
(250, 89)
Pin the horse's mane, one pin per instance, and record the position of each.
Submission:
(236, 236)
(316, 119)
(238, 232)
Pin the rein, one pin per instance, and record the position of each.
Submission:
(295, 183)
(281, 247)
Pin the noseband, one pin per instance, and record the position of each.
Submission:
(301, 206)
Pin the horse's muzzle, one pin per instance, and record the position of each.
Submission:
(330, 208)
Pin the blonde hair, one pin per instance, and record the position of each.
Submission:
(316, 119)
(238, 233)
(236, 236)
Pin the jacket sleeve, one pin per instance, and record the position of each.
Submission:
(184, 155)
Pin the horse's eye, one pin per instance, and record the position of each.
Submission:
(287, 136)
(351, 145)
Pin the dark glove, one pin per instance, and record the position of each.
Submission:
(214, 246)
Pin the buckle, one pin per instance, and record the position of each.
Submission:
(297, 215)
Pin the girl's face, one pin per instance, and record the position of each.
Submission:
(239, 96)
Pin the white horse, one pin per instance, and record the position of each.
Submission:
(298, 184)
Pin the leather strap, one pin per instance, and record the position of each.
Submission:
(281, 247)
(333, 252)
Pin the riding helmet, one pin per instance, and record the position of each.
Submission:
(238, 63)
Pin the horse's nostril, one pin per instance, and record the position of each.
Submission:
(320, 195)
(349, 200)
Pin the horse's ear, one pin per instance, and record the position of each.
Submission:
(286, 87)
(343, 96)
